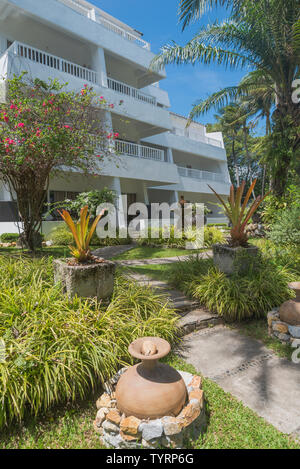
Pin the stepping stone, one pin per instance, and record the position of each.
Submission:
(198, 319)
(267, 384)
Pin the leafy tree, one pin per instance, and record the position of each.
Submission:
(265, 36)
(43, 128)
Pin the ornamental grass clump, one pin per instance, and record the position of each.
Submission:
(59, 349)
(237, 297)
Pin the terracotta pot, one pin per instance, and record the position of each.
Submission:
(290, 310)
(150, 389)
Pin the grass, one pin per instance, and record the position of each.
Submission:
(58, 349)
(231, 425)
(145, 252)
(53, 251)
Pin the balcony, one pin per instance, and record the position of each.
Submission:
(127, 90)
(139, 151)
(96, 15)
(201, 175)
(196, 137)
(56, 63)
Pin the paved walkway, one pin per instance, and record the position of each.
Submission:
(164, 260)
(244, 367)
(112, 251)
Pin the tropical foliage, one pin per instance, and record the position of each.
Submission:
(57, 349)
(236, 297)
(238, 212)
(43, 126)
(82, 233)
(261, 35)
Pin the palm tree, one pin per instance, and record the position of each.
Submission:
(263, 35)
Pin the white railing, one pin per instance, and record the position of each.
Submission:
(122, 32)
(197, 138)
(127, 90)
(139, 151)
(95, 15)
(52, 61)
(201, 175)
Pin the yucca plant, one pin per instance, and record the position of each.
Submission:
(239, 213)
(81, 232)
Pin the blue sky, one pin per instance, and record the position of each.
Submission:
(158, 20)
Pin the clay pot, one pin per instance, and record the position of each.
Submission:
(290, 310)
(150, 389)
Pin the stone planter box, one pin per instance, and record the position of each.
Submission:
(87, 280)
(233, 260)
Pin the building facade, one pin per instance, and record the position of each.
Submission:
(160, 159)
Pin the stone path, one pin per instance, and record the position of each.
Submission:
(244, 367)
(163, 260)
(112, 251)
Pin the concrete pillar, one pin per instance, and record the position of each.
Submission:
(99, 65)
(145, 191)
(122, 216)
(170, 158)
(4, 193)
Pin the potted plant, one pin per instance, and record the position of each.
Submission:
(84, 275)
(236, 255)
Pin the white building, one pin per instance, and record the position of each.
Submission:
(76, 42)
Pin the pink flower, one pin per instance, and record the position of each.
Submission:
(98, 156)
(6, 118)
(44, 103)
(67, 127)
(111, 106)
(116, 135)
(38, 133)
(21, 124)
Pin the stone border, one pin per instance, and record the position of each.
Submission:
(281, 330)
(119, 431)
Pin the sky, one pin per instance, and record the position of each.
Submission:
(158, 20)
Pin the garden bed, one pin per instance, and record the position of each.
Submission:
(57, 349)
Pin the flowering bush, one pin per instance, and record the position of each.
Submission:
(42, 127)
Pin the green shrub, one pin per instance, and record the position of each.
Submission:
(286, 229)
(234, 297)
(59, 349)
(273, 206)
(60, 235)
(9, 237)
(213, 235)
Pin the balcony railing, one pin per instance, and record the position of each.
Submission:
(201, 175)
(197, 138)
(122, 32)
(95, 15)
(127, 90)
(52, 61)
(139, 151)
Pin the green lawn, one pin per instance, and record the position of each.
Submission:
(231, 425)
(145, 252)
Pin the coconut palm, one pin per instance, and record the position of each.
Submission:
(264, 36)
